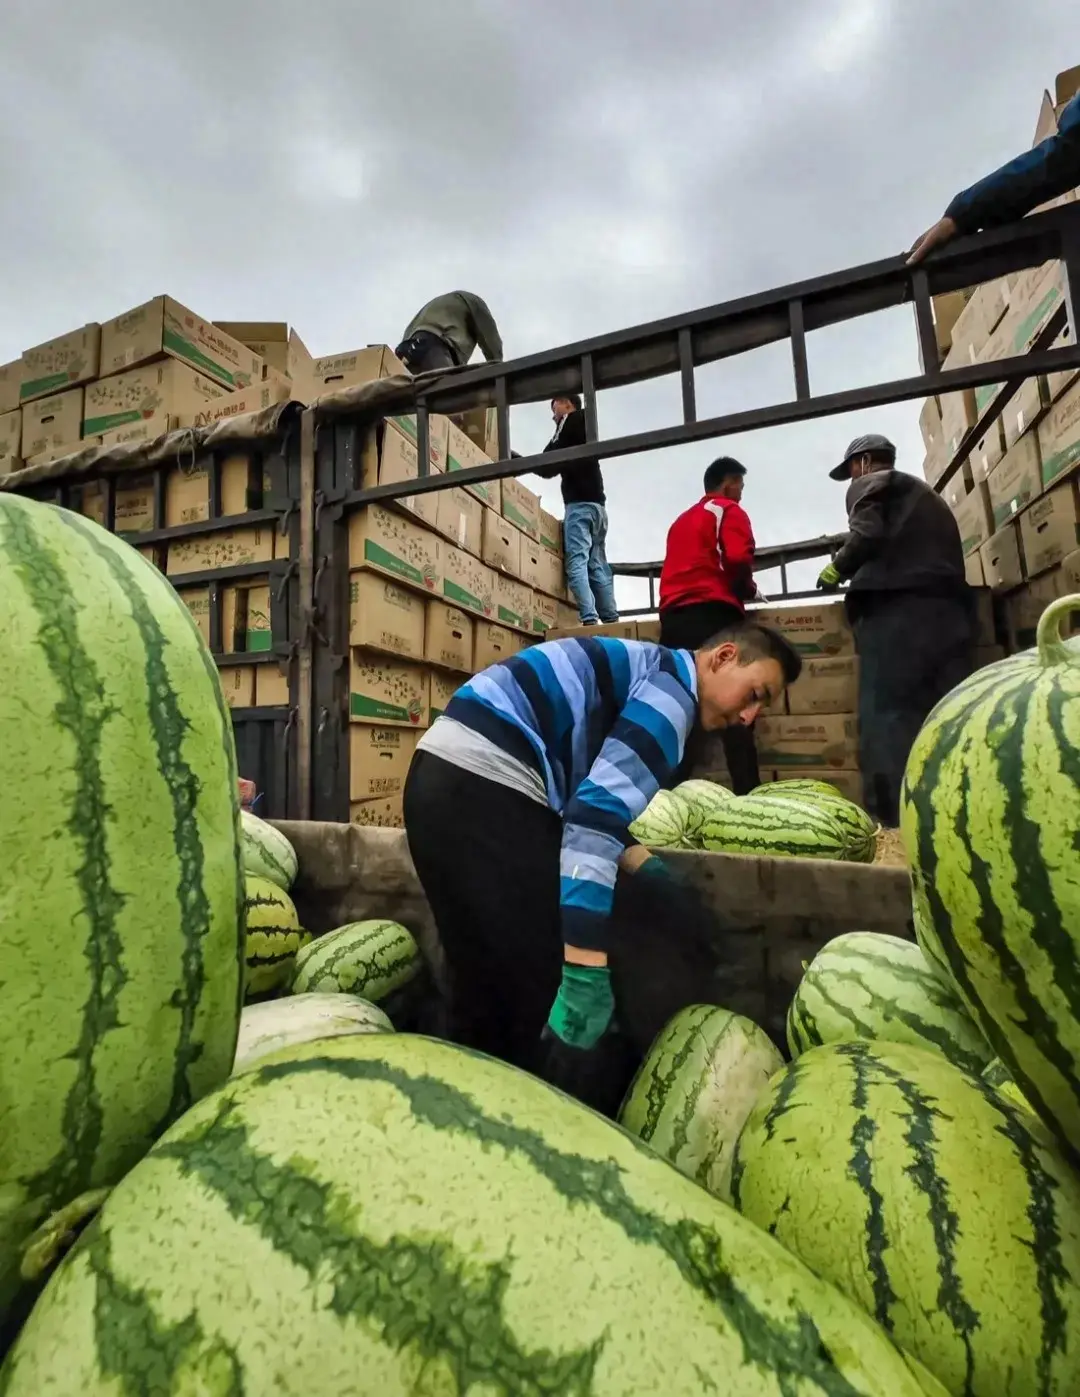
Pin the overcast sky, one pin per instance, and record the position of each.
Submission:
(584, 167)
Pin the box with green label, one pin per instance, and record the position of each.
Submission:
(163, 327)
(383, 540)
(60, 364)
(466, 581)
(387, 691)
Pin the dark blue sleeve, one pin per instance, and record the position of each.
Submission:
(1040, 174)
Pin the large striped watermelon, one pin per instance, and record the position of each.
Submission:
(798, 786)
(664, 822)
(949, 1215)
(990, 812)
(274, 936)
(866, 985)
(120, 899)
(771, 827)
(372, 959)
(390, 1215)
(861, 829)
(302, 1018)
(695, 1089)
(266, 852)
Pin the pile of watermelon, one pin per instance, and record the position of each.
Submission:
(223, 1171)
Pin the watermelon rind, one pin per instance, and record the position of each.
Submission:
(990, 809)
(861, 827)
(121, 926)
(869, 985)
(772, 827)
(277, 1024)
(698, 1083)
(951, 1216)
(385, 1214)
(372, 959)
(798, 785)
(266, 852)
(274, 936)
(663, 823)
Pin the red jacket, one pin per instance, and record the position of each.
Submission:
(709, 557)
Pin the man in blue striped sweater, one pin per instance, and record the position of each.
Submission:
(517, 807)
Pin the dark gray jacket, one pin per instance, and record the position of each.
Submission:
(902, 537)
(464, 321)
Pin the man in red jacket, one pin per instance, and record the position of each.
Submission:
(707, 579)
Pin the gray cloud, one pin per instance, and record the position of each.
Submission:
(583, 167)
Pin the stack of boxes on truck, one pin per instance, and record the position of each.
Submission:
(441, 586)
(1015, 496)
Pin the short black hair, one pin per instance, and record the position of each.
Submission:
(721, 469)
(757, 642)
(881, 458)
(574, 399)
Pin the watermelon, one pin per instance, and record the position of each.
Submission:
(372, 959)
(771, 827)
(302, 1018)
(274, 935)
(663, 823)
(861, 828)
(950, 1216)
(266, 852)
(866, 985)
(695, 1089)
(990, 810)
(799, 786)
(121, 926)
(995, 1075)
(385, 1214)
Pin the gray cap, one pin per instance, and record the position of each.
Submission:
(861, 446)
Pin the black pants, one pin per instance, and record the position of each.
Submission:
(488, 860)
(912, 650)
(425, 351)
(688, 628)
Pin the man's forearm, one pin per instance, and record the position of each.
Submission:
(1009, 193)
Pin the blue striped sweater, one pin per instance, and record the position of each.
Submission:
(605, 723)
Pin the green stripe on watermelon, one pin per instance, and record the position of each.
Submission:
(372, 959)
(989, 812)
(274, 936)
(119, 745)
(949, 1215)
(867, 985)
(266, 852)
(321, 1181)
(771, 827)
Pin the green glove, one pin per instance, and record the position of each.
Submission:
(828, 578)
(584, 1006)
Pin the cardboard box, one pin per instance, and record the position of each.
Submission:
(848, 783)
(985, 626)
(1070, 568)
(513, 602)
(51, 422)
(521, 507)
(158, 424)
(226, 548)
(976, 321)
(819, 629)
(61, 450)
(165, 388)
(551, 532)
(480, 425)
(281, 350)
(930, 425)
(817, 740)
(449, 637)
(10, 433)
(197, 601)
(379, 760)
(1035, 296)
(187, 492)
(164, 327)
(238, 685)
(1023, 608)
(9, 464)
(1059, 383)
(568, 616)
(1024, 410)
(1059, 437)
(973, 570)
(381, 540)
(266, 393)
(988, 452)
(1016, 481)
(545, 613)
(10, 383)
(973, 518)
(466, 581)
(272, 687)
(50, 368)
(245, 619)
(617, 630)
(355, 366)
(385, 617)
(494, 643)
(463, 454)
(826, 686)
(1050, 528)
(934, 463)
(133, 504)
(542, 569)
(438, 435)
(443, 688)
(460, 519)
(378, 814)
(389, 693)
(1001, 559)
(398, 462)
(500, 545)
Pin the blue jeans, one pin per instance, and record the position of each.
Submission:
(587, 570)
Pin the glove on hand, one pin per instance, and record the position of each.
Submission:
(828, 578)
(584, 1006)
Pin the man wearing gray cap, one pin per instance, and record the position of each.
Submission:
(909, 606)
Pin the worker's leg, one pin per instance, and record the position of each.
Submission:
(912, 650)
(488, 861)
(425, 352)
(577, 545)
(600, 578)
